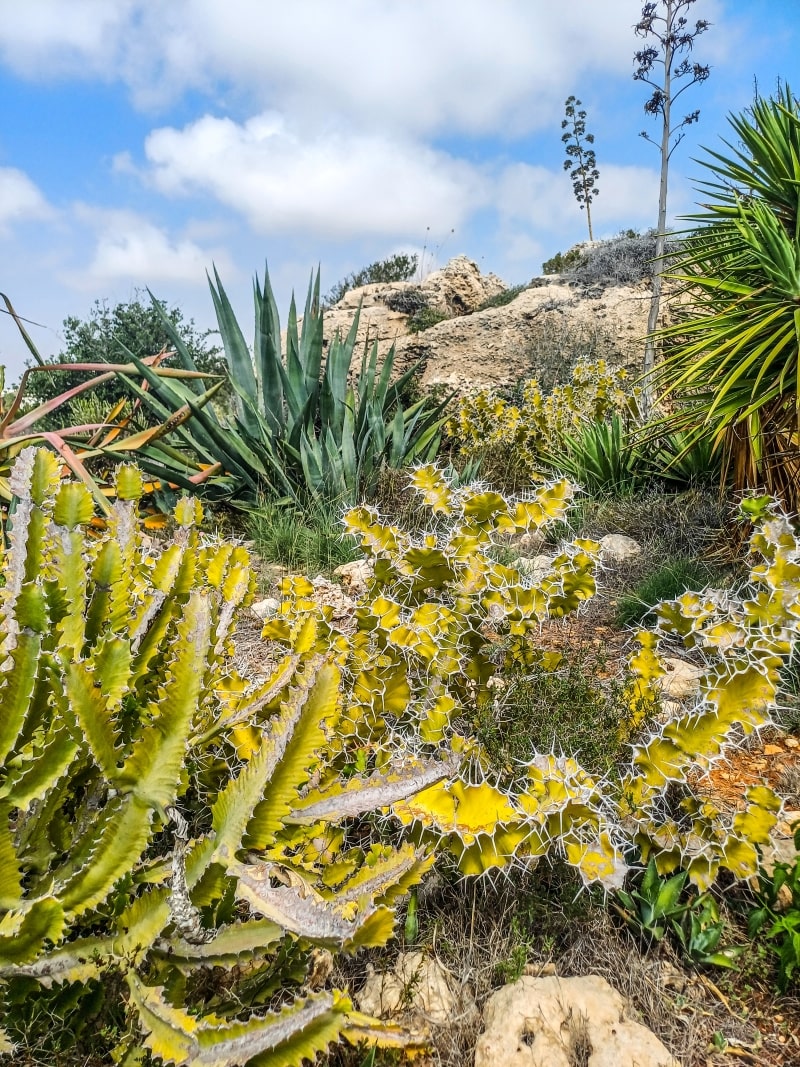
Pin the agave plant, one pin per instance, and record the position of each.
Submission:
(733, 359)
(601, 457)
(303, 427)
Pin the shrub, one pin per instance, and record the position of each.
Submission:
(500, 300)
(408, 301)
(528, 432)
(669, 581)
(308, 540)
(568, 704)
(623, 260)
(425, 318)
(563, 262)
(397, 268)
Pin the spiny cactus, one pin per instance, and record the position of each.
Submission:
(158, 814)
(441, 620)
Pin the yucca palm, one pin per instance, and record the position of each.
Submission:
(732, 361)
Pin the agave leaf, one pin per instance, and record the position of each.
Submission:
(267, 351)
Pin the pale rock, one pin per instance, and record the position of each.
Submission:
(528, 543)
(265, 609)
(534, 567)
(547, 1022)
(419, 986)
(682, 679)
(355, 576)
(459, 288)
(331, 595)
(617, 548)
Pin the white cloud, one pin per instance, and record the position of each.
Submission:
(130, 248)
(450, 66)
(42, 39)
(20, 199)
(338, 184)
(543, 199)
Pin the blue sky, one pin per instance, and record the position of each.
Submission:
(142, 141)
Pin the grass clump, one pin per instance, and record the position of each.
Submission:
(576, 709)
(309, 541)
(666, 583)
(500, 300)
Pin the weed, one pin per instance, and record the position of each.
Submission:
(425, 318)
(666, 583)
(573, 709)
(309, 541)
(500, 300)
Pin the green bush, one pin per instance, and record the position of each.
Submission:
(397, 268)
(307, 541)
(562, 262)
(500, 300)
(568, 705)
(425, 318)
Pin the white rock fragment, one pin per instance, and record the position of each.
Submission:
(265, 609)
(418, 986)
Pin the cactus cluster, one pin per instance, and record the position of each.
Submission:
(537, 424)
(157, 818)
(441, 621)
(165, 820)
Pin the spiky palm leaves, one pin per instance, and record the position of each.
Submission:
(732, 360)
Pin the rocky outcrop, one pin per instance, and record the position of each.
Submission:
(558, 1022)
(548, 324)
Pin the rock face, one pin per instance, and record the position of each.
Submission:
(542, 327)
(559, 1022)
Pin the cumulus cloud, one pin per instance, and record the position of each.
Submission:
(43, 40)
(20, 199)
(337, 184)
(132, 249)
(543, 199)
(452, 66)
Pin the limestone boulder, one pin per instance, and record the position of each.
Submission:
(558, 1022)
(617, 548)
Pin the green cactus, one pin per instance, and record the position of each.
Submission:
(442, 619)
(157, 814)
